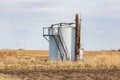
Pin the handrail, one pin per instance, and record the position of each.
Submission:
(62, 24)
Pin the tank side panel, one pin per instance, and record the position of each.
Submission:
(53, 51)
(73, 44)
(66, 32)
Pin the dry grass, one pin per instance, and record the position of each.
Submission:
(21, 59)
(102, 59)
(8, 78)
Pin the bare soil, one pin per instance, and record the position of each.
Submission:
(82, 74)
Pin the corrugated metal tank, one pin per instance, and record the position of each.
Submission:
(68, 34)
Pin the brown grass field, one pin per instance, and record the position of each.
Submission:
(34, 65)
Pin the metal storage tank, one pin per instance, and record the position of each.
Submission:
(64, 40)
(61, 41)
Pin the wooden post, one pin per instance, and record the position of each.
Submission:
(77, 37)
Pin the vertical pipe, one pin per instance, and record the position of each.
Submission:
(77, 37)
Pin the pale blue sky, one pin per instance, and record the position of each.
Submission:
(21, 22)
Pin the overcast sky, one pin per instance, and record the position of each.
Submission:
(21, 22)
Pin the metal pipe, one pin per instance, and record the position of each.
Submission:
(61, 24)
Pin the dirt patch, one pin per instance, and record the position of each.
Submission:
(87, 74)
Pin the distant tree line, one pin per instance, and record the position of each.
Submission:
(119, 50)
(113, 50)
(21, 49)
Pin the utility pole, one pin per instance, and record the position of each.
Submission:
(77, 36)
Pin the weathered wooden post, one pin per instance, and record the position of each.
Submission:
(77, 36)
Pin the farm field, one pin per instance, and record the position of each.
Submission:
(34, 65)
